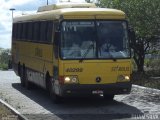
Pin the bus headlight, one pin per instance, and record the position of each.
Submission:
(123, 78)
(71, 79)
(67, 80)
(126, 77)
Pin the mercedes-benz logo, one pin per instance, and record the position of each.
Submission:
(98, 79)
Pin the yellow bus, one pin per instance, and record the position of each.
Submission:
(73, 49)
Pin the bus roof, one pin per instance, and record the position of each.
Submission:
(72, 13)
(66, 5)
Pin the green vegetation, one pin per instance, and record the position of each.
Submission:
(3, 66)
(144, 17)
(151, 76)
(147, 79)
(6, 114)
(144, 20)
(4, 110)
(154, 64)
(4, 58)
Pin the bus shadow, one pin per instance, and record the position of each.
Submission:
(78, 108)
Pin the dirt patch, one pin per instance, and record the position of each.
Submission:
(146, 79)
(6, 114)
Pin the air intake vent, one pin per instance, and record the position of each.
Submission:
(66, 5)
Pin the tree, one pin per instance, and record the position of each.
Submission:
(4, 58)
(144, 15)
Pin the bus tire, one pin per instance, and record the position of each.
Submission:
(109, 97)
(27, 83)
(55, 98)
(21, 71)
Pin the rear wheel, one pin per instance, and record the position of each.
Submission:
(21, 74)
(27, 83)
(54, 97)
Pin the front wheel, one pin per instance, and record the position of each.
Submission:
(21, 74)
(27, 83)
(54, 97)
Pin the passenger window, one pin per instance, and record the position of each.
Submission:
(49, 31)
(30, 31)
(43, 31)
(36, 31)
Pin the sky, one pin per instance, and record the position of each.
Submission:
(22, 7)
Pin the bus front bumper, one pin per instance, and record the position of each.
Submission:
(89, 90)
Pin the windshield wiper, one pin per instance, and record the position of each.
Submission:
(111, 56)
(86, 52)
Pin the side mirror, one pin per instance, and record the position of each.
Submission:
(132, 35)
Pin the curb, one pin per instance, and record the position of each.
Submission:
(146, 88)
(20, 116)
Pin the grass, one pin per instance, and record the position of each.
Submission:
(4, 111)
(146, 79)
(6, 114)
(3, 66)
(152, 69)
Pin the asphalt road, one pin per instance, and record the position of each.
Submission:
(35, 104)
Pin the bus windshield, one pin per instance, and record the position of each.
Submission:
(94, 40)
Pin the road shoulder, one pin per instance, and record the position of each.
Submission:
(11, 112)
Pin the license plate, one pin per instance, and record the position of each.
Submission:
(97, 92)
